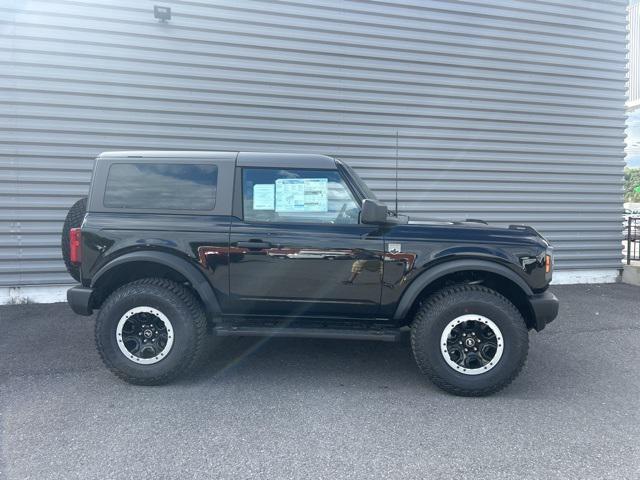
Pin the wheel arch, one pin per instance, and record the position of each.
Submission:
(491, 274)
(136, 265)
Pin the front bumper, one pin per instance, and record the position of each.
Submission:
(545, 309)
(79, 299)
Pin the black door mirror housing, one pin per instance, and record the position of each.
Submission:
(374, 212)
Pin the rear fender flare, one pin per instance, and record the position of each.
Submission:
(180, 265)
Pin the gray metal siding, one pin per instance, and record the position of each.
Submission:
(511, 111)
(633, 100)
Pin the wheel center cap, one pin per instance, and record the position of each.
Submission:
(469, 342)
(148, 333)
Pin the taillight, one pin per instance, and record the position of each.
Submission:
(75, 246)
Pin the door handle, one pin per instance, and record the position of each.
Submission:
(254, 244)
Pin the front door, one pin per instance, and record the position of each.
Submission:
(299, 249)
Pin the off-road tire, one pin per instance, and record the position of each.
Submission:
(449, 303)
(74, 218)
(185, 314)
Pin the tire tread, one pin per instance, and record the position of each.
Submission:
(434, 305)
(197, 316)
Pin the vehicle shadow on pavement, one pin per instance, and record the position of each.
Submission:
(314, 363)
(266, 359)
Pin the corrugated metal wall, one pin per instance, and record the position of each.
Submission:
(511, 111)
(633, 101)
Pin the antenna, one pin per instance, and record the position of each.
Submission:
(397, 136)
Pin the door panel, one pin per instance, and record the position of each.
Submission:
(305, 269)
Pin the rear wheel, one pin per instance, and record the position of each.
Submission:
(74, 219)
(469, 340)
(150, 331)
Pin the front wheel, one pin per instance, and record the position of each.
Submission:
(469, 340)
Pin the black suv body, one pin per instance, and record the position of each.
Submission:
(297, 245)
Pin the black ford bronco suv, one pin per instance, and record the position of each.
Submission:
(173, 246)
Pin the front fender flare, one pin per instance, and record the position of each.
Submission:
(432, 274)
(180, 265)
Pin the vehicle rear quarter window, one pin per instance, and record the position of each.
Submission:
(161, 186)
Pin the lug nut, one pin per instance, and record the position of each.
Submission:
(466, 350)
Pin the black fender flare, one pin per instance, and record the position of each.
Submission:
(180, 265)
(432, 274)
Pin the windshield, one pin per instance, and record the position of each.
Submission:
(364, 189)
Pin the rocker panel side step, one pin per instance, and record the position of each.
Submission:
(384, 335)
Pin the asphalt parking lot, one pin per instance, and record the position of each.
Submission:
(289, 408)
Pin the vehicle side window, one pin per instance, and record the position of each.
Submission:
(161, 186)
(297, 196)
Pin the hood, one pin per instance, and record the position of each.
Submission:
(479, 228)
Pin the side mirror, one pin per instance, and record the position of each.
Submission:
(373, 212)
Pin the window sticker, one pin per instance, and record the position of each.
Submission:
(302, 195)
(263, 196)
(316, 195)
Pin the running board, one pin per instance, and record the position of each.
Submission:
(384, 335)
